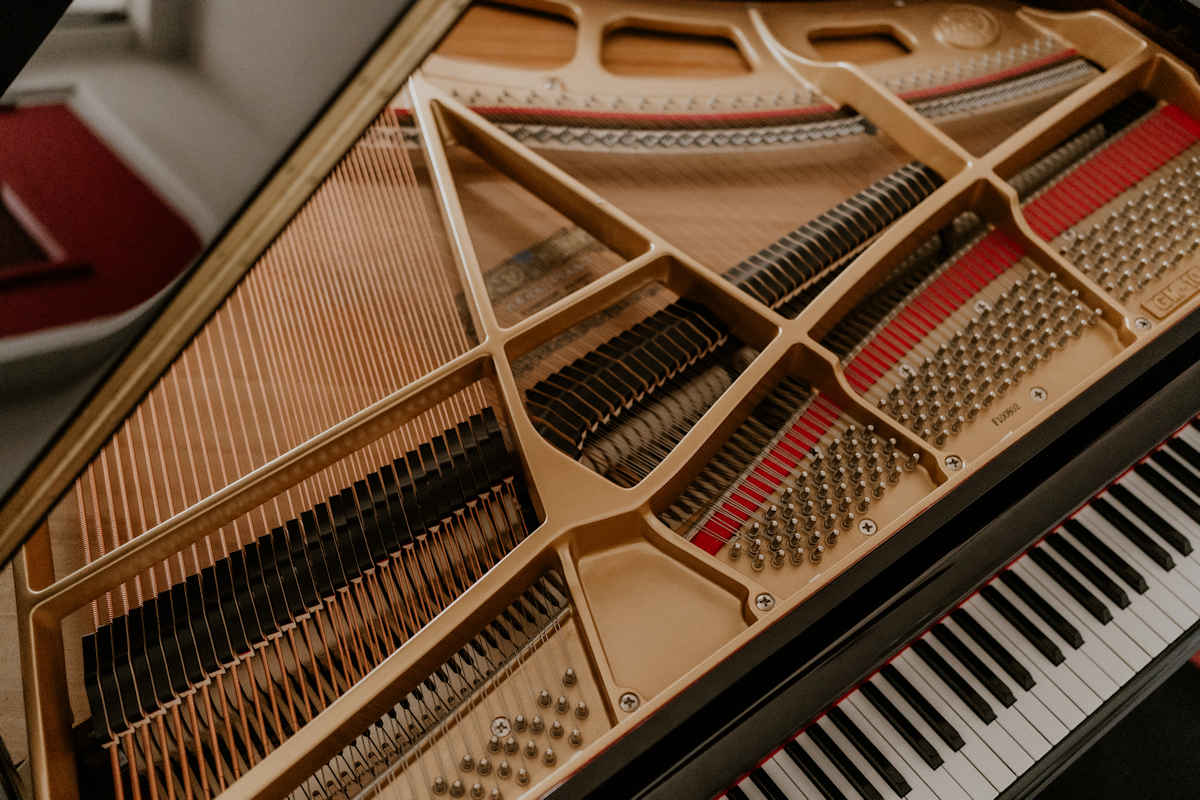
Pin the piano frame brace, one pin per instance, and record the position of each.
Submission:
(722, 726)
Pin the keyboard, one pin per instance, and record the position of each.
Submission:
(990, 689)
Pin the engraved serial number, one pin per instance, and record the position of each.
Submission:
(1004, 415)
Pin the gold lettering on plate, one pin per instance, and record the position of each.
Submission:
(1174, 294)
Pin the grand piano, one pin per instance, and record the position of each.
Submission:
(622, 399)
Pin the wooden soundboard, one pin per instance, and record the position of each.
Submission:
(620, 147)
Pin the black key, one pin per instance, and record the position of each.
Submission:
(867, 749)
(906, 729)
(1066, 580)
(1023, 624)
(1152, 520)
(931, 715)
(735, 793)
(843, 763)
(951, 678)
(767, 785)
(814, 772)
(982, 672)
(1096, 576)
(1177, 470)
(1134, 534)
(1100, 550)
(1185, 451)
(1168, 490)
(1069, 633)
(1015, 669)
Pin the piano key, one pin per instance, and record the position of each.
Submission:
(1136, 536)
(803, 758)
(977, 751)
(978, 706)
(1191, 432)
(1170, 490)
(1030, 744)
(993, 648)
(842, 762)
(919, 775)
(901, 724)
(1095, 576)
(996, 687)
(965, 773)
(1022, 624)
(1170, 591)
(1106, 645)
(1160, 503)
(765, 786)
(1151, 520)
(1185, 450)
(1069, 584)
(979, 736)
(1038, 605)
(921, 704)
(1171, 465)
(789, 780)
(854, 741)
(1081, 662)
(1145, 641)
(1125, 571)
(1084, 699)
(1029, 701)
(1186, 566)
(1139, 604)
(736, 793)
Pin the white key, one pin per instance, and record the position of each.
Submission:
(1061, 675)
(921, 788)
(750, 790)
(1132, 656)
(990, 760)
(1142, 490)
(1142, 605)
(875, 779)
(1168, 589)
(1044, 689)
(1029, 706)
(1185, 565)
(776, 770)
(1190, 435)
(797, 776)
(831, 771)
(963, 771)
(1148, 642)
(1096, 641)
(908, 761)
(1078, 661)
(1031, 743)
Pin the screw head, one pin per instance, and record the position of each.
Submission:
(954, 463)
(764, 602)
(501, 727)
(1142, 324)
(628, 702)
(867, 527)
(1038, 394)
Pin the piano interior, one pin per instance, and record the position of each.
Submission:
(620, 330)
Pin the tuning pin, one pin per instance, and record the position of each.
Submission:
(816, 553)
